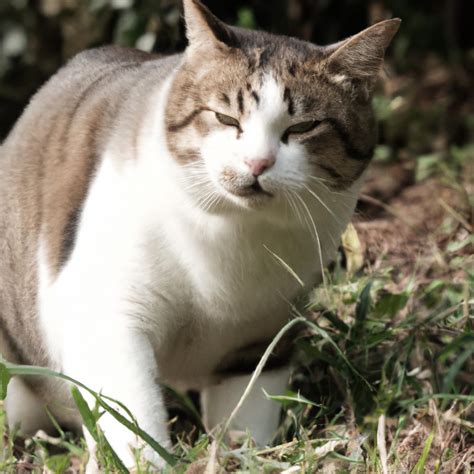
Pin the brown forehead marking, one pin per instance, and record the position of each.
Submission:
(256, 97)
(265, 56)
(225, 98)
(289, 99)
(240, 101)
(292, 69)
(251, 62)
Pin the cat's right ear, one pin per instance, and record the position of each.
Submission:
(204, 30)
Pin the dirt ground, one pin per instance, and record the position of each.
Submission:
(404, 222)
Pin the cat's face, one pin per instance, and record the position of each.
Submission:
(255, 118)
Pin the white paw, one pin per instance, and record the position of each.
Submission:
(128, 448)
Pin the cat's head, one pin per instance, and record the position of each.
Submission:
(253, 117)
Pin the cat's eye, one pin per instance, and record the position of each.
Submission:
(226, 120)
(302, 127)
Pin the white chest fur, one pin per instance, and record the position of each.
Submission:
(198, 285)
(155, 289)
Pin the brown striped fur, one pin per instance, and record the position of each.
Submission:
(46, 165)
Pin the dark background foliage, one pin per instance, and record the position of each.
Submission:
(38, 36)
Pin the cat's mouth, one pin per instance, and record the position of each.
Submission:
(253, 190)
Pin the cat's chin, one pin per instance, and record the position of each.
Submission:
(249, 197)
(251, 202)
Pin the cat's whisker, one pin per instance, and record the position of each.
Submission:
(209, 201)
(318, 198)
(190, 173)
(202, 201)
(316, 234)
(287, 204)
(323, 182)
(194, 164)
(294, 205)
(340, 199)
(195, 184)
(214, 198)
(195, 179)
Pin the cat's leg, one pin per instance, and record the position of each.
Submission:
(119, 362)
(98, 341)
(25, 410)
(258, 415)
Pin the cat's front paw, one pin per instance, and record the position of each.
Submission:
(131, 450)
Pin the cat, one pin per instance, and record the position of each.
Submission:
(151, 208)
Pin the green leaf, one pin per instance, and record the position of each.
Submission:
(324, 334)
(14, 369)
(90, 421)
(4, 380)
(336, 321)
(456, 367)
(363, 304)
(420, 465)
(457, 245)
(58, 463)
(291, 397)
(389, 304)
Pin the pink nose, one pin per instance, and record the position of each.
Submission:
(259, 165)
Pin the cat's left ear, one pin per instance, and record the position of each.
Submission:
(204, 30)
(356, 62)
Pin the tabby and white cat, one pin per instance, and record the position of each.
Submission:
(147, 204)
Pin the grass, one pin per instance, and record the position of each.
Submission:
(382, 383)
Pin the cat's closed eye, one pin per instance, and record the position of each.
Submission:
(300, 128)
(227, 120)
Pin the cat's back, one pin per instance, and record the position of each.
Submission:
(49, 159)
(87, 91)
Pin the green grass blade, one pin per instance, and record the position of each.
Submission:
(4, 380)
(420, 465)
(27, 370)
(90, 423)
(297, 398)
(325, 335)
(455, 368)
(88, 417)
(363, 304)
